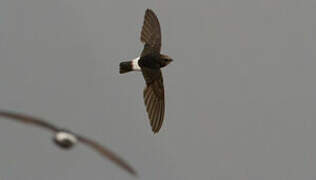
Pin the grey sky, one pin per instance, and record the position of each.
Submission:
(240, 94)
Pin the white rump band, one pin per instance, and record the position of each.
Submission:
(135, 65)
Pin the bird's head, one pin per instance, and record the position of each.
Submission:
(165, 60)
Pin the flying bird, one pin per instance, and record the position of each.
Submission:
(149, 63)
(66, 139)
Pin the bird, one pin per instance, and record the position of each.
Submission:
(66, 139)
(149, 63)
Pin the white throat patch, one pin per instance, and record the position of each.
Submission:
(135, 65)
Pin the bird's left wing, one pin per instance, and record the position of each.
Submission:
(28, 120)
(151, 33)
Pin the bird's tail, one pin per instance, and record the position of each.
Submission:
(126, 67)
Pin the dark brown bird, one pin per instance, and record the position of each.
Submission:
(149, 63)
(66, 139)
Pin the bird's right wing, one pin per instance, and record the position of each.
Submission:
(107, 153)
(28, 120)
(154, 97)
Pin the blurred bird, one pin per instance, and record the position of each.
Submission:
(66, 139)
(149, 63)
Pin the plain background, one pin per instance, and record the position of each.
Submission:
(240, 94)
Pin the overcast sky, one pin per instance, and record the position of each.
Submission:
(240, 94)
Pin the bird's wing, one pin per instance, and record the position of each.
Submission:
(151, 33)
(28, 120)
(154, 97)
(107, 153)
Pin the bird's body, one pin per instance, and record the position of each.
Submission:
(149, 63)
(64, 139)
